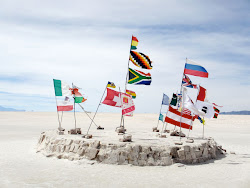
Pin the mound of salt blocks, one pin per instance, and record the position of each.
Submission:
(53, 145)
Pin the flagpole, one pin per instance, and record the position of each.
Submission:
(166, 116)
(160, 111)
(58, 116)
(203, 129)
(97, 108)
(74, 106)
(122, 118)
(182, 98)
(190, 126)
(57, 110)
(87, 115)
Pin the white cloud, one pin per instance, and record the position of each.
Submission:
(88, 44)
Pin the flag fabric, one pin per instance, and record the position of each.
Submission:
(217, 105)
(111, 84)
(134, 43)
(139, 78)
(161, 117)
(186, 111)
(174, 117)
(61, 88)
(186, 82)
(165, 99)
(206, 107)
(113, 98)
(202, 94)
(77, 95)
(201, 120)
(194, 69)
(216, 112)
(174, 100)
(128, 106)
(140, 60)
(132, 93)
(188, 104)
(64, 105)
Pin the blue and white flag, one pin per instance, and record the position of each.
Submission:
(165, 99)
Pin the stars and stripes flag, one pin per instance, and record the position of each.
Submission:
(176, 118)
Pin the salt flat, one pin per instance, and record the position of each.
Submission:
(21, 166)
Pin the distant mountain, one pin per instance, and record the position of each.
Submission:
(10, 109)
(244, 112)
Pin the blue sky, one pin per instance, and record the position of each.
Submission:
(87, 43)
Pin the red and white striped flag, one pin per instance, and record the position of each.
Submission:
(186, 111)
(174, 117)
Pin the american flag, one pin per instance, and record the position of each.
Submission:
(186, 111)
(187, 82)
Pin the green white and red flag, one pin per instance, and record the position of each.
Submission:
(61, 88)
(77, 95)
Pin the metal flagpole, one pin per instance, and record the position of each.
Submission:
(166, 116)
(122, 118)
(193, 120)
(61, 116)
(97, 108)
(87, 115)
(58, 116)
(190, 125)
(203, 129)
(182, 99)
(57, 110)
(74, 106)
(160, 112)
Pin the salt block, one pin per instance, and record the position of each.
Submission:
(155, 129)
(61, 133)
(163, 136)
(166, 131)
(120, 130)
(190, 141)
(78, 131)
(126, 138)
(87, 136)
(178, 143)
(177, 133)
(232, 152)
(72, 131)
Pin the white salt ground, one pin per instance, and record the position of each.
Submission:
(21, 166)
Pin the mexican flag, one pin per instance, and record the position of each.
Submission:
(78, 96)
(61, 88)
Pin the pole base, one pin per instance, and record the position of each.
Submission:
(120, 130)
(155, 129)
(126, 138)
(177, 133)
(87, 136)
(100, 128)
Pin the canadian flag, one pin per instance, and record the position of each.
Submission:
(113, 98)
(128, 106)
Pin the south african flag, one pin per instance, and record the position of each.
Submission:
(139, 78)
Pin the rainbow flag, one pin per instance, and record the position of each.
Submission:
(134, 43)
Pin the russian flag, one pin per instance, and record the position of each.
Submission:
(194, 69)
